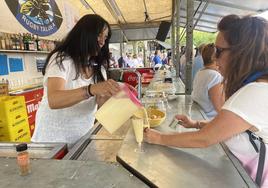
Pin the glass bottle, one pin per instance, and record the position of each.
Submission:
(3, 42)
(7, 42)
(31, 42)
(13, 42)
(37, 43)
(21, 44)
(23, 159)
(25, 41)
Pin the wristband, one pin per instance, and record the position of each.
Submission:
(86, 95)
(198, 125)
(88, 90)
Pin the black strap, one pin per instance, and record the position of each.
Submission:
(262, 154)
(261, 163)
(252, 137)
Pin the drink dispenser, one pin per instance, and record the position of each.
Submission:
(118, 109)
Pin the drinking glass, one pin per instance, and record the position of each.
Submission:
(155, 103)
(161, 95)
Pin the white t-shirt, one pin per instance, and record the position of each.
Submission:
(204, 80)
(250, 103)
(68, 124)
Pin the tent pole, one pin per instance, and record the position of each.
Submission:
(177, 63)
(189, 47)
(173, 32)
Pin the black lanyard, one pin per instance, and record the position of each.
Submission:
(262, 153)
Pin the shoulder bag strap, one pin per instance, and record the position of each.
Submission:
(262, 154)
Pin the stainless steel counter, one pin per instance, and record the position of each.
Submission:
(161, 166)
(104, 146)
(67, 174)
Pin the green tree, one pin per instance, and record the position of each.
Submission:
(199, 37)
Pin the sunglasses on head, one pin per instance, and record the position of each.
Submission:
(219, 51)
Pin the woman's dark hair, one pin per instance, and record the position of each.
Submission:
(81, 44)
(208, 53)
(248, 41)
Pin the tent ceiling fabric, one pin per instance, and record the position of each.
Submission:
(129, 14)
(132, 11)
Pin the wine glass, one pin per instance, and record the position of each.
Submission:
(138, 124)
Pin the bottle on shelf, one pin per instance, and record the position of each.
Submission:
(37, 42)
(21, 44)
(13, 42)
(17, 40)
(25, 41)
(7, 41)
(45, 46)
(2, 42)
(31, 42)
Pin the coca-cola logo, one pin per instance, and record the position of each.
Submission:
(132, 78)
(40, 17)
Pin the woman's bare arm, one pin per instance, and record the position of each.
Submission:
(217, 97)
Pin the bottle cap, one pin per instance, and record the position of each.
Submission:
(21, 147)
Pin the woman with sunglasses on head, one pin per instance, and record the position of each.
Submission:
(242, 56)
(74, 82)
(207, 84)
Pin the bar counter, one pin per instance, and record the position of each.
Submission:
(162, 166)
(67, 174)
(105, 160)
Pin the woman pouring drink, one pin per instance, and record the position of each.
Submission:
(74, 82)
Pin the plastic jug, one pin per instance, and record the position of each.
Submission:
(118, 109)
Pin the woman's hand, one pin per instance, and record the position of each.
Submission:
(186, 122)
(106, 88)
(152, 136)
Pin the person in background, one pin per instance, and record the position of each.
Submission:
(151, 59)
(183, 64)
(121, 62)
(140, 59)
(207, 84)
(182, 50)
(74, 83)
(136, 62)
(157, 57)
(198, 60)
(112, 62)
(242, 124)
(165, 59)
(169, 55)
(129, 60)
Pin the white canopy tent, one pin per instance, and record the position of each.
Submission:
(140, 19)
